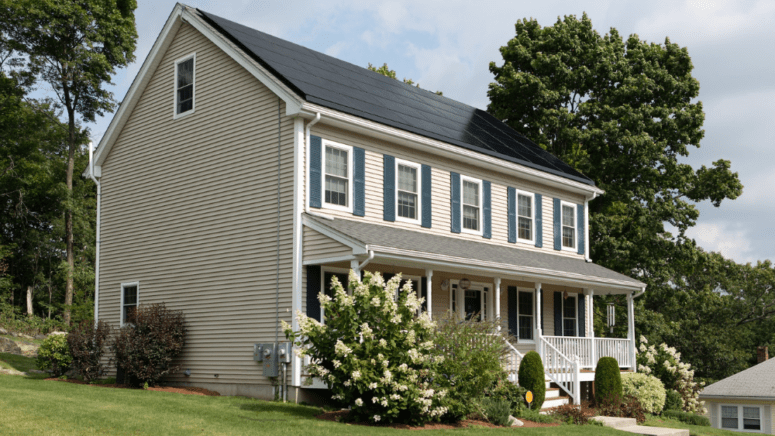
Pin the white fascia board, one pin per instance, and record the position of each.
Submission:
(357, 246)
(539, 274)
(182, 14)
(360, 125)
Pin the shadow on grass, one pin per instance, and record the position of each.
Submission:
(288, 409)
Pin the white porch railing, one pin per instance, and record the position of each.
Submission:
(513, 359)
(589, 350)
(563, 371)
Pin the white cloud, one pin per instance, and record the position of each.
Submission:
(731, 241)
(337, 48)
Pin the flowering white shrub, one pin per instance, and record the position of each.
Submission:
(648, 389)
(373, 352)
(664, 363)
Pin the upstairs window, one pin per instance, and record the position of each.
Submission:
(472, 205)
(129, 301)
(525, 217)
(568, 226)
(337, 166)
(184, 85)
(408, 191)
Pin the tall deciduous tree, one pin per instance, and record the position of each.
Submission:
(75, 46)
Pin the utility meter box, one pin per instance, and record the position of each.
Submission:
(258, 352)
(284, 352)
(269, 360)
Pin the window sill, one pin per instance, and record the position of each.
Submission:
(526, 241)
(408, 220)
(183, 115)
(471, 232)
(335, 207)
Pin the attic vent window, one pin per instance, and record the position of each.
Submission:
(185, 77)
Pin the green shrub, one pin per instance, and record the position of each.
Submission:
(146, 349)
(497, 411)
(608, 382)
(629, 407)
(508, 391)
(531, 377)
(649, 391)
(54, 355)
(87, 343)
(664, 363)
(536, 416)
(686, 417)
(673, 400)
(571, 414)
(14, 320)
(470, 357)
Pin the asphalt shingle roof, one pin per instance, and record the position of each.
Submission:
(393, 237)
(339, 85)
(755, 382)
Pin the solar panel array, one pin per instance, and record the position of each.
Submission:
(339, 85)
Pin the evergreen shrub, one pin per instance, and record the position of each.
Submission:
(673, 400)
(54, 355)
(531, 377)
(608, 382)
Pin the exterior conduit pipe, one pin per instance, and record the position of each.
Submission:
(306, 159)
(97, 253)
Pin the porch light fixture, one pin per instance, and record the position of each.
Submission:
(464, 283)
(611, 317)
(565, 295)
(445, 285)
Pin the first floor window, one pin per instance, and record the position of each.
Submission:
(525, 216)
(337, 176)
(128, 303)
(568, 226)
(741, 418)
(525, 316)
(471, 205)
(569, 316)
(408, 189)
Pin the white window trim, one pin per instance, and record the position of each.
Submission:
(175, 114)
(350, 171)
(121, 307)
(419, 191)
(574, 248)
(740, 417)
(463, 229)
(576, 311)
(529, 291)
(532, 218)
(460, 298)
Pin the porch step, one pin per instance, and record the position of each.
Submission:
(551, 403)
(552, 393)
(629, 425)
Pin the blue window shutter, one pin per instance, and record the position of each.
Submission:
(511, 201)
(427, 211)
(513, 310)
(558, 330)
(359, 181)
(557, 225)
(455, 194)
(582, 314)
(424, 293)
(539, 221)
(313, 289)
(315, 171)
(580, 227)
(487, 209)
(389, 198)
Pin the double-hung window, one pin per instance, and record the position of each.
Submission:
(185, 84)
(129, 299)
(337, 166)
(569, 316)
(525, 217)
(741, 418)
(472, 205)
(408, 191)
(568, 226)
(525, 315)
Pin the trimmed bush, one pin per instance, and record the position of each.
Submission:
(686, 417)
(608, 382)
(531, 377)
(648, 389)
(86, 343)
(497, 411)
(629, 407)
(508, 391)
(54, 355)
(145, 351)
(673, 400)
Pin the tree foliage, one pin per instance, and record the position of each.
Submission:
(387, 72)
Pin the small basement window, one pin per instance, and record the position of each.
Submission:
(185, 77)
(129, 301)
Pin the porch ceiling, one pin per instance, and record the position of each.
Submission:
(401, 245)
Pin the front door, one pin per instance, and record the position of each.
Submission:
(475, 303)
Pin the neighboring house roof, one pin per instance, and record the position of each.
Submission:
(756, 382)
(335, 84)
(413, 244)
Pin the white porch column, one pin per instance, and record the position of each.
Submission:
(429, 287)
(539, 321)
(590, 293)
(497, 288)
(355, 266)
(631, 329)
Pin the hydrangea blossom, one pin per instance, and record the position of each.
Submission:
(664, 362)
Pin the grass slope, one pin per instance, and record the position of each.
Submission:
(33, 407)
(19, 363)
(694, 430)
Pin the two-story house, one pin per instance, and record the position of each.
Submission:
(241, 172)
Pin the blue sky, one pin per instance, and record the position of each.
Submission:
(447, 46)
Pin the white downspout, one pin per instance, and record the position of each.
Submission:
(97, 246)
(586, 227)
(306, 159)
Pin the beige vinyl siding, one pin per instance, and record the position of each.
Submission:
(319, 246)
(190, 210)
(440, 175)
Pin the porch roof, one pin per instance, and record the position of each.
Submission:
(448, 249)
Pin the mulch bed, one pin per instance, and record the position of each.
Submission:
(172, 389)
(338, 414)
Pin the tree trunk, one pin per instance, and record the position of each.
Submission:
(29, 300)
(69, 217)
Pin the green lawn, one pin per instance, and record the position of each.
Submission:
(33, 407)
(694, 430)
(19, 363)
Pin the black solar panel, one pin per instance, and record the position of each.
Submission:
(339, 85)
